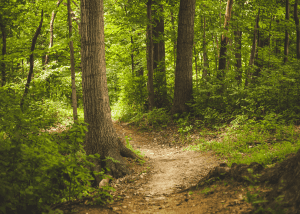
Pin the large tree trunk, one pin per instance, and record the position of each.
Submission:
(150, 87)
(224, 41)
(72, 61)
(51, 31)
(286, 40)
(297, 29)
(101, 137)
(159, 60)
(3, 77)
(37, 33)
(184, 63)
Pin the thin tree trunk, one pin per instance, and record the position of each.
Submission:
(224, 41)
(159, 67)
(286, 40)
(205, 58)
(132, 58)
(253, 50)
(196, 66)
(216, 53)
(37, 33)
(150, 87)
(297, 29)
(3, 72)
(72, 61)
(184, 65)
(101, 137)
(51, 31)
(174, 43)
(238, 54)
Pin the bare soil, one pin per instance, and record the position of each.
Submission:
(155, 186)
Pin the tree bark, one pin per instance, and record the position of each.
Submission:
(3, 72)
(101, 137)
(72, 61)
(184, 62)
(224, 41)
(296, 18)
(159, 67)
(286, 40)
(51, 31)
(253, 50)
(150, 87)
(31, 60)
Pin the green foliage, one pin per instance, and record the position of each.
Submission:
(38, 168)
(264, 141)
(137, 152)
(153, 119)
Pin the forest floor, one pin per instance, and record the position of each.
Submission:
(156, 186)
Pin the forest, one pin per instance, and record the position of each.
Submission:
(83, 80)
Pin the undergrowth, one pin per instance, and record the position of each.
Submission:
(245, 140)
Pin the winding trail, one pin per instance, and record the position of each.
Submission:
(154, 187)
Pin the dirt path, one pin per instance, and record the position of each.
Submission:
(154, 186)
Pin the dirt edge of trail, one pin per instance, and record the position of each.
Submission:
(155, 186)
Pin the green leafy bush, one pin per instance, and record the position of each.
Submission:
(37, 168)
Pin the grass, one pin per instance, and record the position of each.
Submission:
(252, 142)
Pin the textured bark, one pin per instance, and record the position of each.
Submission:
(184, 62)
(3, 72)
(286, 40)
(150, 87)
(205, 58)
(253, 49)
(224, 41)
(72, 61)
(31, 60)
(51, 31)
(296, 18)
(159, 68)
(101, 137)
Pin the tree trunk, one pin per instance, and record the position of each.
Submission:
(184, 62)
(286, 40)
(297, 29)
(72, 61)
(159, 61)
(174, 43)
(132, 57)
(224, 41)
(205, 58)
(101, 137)
(253, 50)
(238, 54)
(51, 31)
(37, 33)
(196, 67)
(150, 87)
(3, 72)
